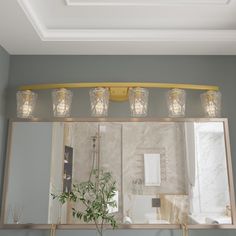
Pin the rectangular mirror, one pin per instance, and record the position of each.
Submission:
(166, 172)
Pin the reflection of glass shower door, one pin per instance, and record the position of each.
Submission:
(111, 157)
(209, 190)
(95, 145)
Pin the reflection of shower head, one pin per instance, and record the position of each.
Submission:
(94, 139)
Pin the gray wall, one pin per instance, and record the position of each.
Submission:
(35, 151)
(213, 70)
(4, 68)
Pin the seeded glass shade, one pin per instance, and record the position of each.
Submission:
(62, 99)
(138, 99)
(99, 101)
(26, 101)
(211, 103)
(176, 102)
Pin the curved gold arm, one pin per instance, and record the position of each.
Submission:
(118, 90)
(118, 85)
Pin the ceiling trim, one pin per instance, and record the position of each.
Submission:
(125, 35)
(144, 2)
(140, 35)
(32, 17)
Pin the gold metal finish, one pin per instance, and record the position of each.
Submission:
(119, 94)
(119, 85)
(53, 230)
(118, 91)
(121, 226)
(95, 119)
(184, 227)
(230, 172)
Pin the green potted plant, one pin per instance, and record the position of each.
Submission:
(97, 195)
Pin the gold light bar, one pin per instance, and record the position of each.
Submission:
(119, 90)
(118, 85)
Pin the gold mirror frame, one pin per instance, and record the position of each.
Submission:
(124, 226)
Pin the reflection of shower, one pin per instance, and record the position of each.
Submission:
(95, 154)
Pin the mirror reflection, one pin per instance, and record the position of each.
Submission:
(164, 172)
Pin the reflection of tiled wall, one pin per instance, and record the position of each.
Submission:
(163, 138)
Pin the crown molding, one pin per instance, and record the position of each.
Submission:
(124, 35)
(140, 35)
(32, 17)
(144, 2)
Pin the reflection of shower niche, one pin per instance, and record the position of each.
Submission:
(152, 169)
(166, 172)
(68, 162)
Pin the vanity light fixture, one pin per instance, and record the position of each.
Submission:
(99, 101)
(62, 99)
(176, 102)
(211, 103)
(26, 101)
(138, 99)
(101, 93)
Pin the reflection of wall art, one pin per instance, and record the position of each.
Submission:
(68, 161)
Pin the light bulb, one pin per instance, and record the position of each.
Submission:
(62, 99)
(176, 102)
(26, 109)
(138, 107)
(62, 107)
(211, 109)
(99, 107)
(26, 101)
(176, 108)
(138, 99)
(211, 103)
(99, 101)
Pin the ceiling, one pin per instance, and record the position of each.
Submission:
(118, 27)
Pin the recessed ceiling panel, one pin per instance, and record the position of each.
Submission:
(61, 20)
(118, 26)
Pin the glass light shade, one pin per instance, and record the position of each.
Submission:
(99, 101)
(211, 103)
(62, 99)
(176, 102)
(26, 101)
(138, 99)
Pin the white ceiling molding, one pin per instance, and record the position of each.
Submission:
(140, 35)
(124, 35)
(32, 16)
(144, 2)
